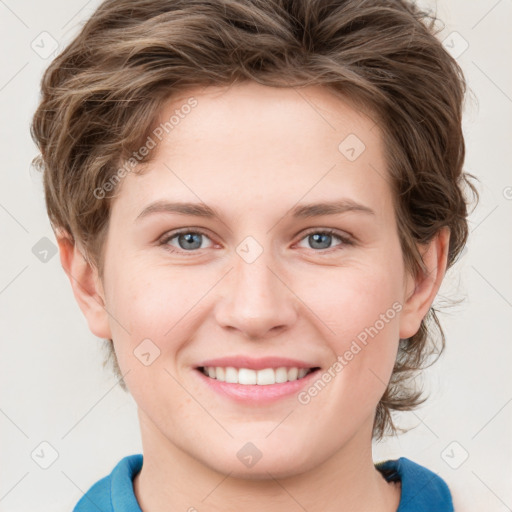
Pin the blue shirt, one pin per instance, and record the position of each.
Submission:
(422, 490)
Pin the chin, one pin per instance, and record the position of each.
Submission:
(249, 463)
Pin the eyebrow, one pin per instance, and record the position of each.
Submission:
(304, 211)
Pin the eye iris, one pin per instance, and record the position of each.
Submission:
(192, 240)
(189, 238)
(317, 239)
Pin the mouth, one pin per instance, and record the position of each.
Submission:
(251, 377)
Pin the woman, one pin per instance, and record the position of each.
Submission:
(313, 151)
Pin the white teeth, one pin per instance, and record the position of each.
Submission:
(220, 374)
(281, 375)
(266, 376)
(247, 376)
(231, 375)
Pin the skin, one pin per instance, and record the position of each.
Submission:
(252, 153)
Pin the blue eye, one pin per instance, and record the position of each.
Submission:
(190, 241)
(187, 240)
(323, 239)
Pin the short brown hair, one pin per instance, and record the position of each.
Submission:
(101, 97)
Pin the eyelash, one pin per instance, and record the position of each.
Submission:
(173, 234)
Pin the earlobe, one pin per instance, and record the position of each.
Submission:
(425, 286)
(86, 286)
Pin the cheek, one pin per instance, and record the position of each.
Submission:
(354, 299)
(152, 301)
(155, 313)
(360, 310)
(151, 313)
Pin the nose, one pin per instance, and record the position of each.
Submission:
(257, 300)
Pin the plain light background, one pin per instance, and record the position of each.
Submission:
(53, 387)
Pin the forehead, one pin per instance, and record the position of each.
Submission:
(263, 147)
(236, 113)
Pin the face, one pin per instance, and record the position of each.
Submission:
(260, 280)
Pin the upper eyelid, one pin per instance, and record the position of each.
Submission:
(342, 235)
(171, 234)
(332, 231)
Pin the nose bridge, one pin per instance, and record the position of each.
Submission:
(256, 300)
(255, 280)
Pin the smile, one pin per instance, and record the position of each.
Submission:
(247, 376)
(255, 387)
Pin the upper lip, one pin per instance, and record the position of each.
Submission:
(256, 364)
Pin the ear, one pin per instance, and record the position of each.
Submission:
(86, 285)
(421, 291)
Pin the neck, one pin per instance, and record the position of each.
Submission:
(171, 479)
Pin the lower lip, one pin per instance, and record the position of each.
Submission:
(254, 393)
